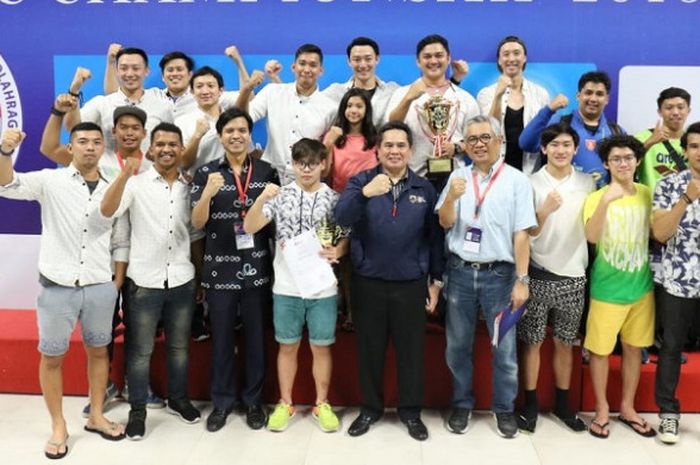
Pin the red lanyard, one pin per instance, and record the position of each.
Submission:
(121, 161)
(243, 191)
(479, 199)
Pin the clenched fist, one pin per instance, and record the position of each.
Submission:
(270, 192)
(558, 102)
(380, 185)
(81, 75)
(215, 181)
(11, 139)
(458, 187)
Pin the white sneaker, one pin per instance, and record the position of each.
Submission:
(668, 430)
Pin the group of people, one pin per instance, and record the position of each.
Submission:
(489, 202)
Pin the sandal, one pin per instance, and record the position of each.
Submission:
(639, 427)
(604, 432)
(107, 434)
(58, 446)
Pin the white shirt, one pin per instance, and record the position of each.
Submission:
(186, 102)
(534, 98)
(75, 238)
(464, 109)
(160, 230)
(380, 98)
(561, 248)
(290, 117)
(100, 110)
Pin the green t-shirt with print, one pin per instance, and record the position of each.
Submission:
(621, 273)
(657, 163)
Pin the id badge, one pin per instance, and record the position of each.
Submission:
(472, 239)
(243, 239)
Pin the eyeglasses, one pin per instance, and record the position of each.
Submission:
(307, 165)
(483, 138)
(629, 160)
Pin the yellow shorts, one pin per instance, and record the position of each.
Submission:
(634, 322)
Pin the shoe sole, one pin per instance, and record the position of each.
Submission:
(671, 439)
(454, 431)
(286, 425)
(155, 406)
(183, 419)
(135, 437)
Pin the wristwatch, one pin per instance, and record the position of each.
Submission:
(523, 278)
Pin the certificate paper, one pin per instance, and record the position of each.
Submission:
(311, 272)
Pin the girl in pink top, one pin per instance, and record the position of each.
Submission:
(351, 141)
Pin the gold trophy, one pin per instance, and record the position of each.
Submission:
(326, 233)
(438, 119)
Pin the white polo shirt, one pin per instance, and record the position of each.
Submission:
(380, 98)
(290, 117)
(100, 110)
(466, 108)
(561, 248)
(160, 230)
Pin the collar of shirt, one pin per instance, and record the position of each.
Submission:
(154, 175)
(73, 171)
(177, 98)
(602, 122)
(126, 99)
(492, 170)
(306, 98)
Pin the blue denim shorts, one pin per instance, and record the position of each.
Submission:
(59, 308)
(290, 314)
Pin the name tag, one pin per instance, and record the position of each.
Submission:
(472, 239)
(243, 239)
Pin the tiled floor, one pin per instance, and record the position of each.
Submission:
(24, 429)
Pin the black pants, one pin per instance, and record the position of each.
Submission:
(382, 309)
(677, 315)
(225, 307)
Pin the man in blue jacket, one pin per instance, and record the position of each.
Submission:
(398, 261)
(588, 121)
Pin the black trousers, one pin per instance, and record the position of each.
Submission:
(676, 315)
(225, 308)
(396, 309)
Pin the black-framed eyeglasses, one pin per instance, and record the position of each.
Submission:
(483, 138)
(304, 165)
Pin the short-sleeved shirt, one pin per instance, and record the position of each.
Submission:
(295, 211)
(657, 163)
(290, 117)
(508, 207)
(100, 110)
(351, 159)
(621, 273)
(680, 271)
(225, 267)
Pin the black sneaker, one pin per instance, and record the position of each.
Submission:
(506, 425)
(527, 425)
(458, 422)
(136, 427)
(571, 421)
(217, 419)
(256, 417)
(185, 410)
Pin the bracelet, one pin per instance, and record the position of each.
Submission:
(6, 154)
(455, 81)
(686, 198)
(56, 112)
(74, 94)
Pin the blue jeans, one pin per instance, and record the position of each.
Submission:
(174, 307)
(469, 290)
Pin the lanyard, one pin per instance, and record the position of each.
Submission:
(121, 161)
(243, 191)
(479, 199)
(396, 189)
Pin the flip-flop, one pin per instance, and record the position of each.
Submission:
(602, 427)
(57, 445)
(643, 425)
(106, 434)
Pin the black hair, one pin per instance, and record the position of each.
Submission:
(363, 41)
(366, 127)
(553, 131)
(692, 129)
(309, 48)
(207, 71)
(309, 150)
(85, 126)
(620, 141)
(166, 127)
(672, 92)
(432, 39)
(596, 77)
(391, 125)
(508, 40)
(230, 114)
(168, 57)
(132, 51)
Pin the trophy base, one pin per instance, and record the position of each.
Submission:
(440, 168)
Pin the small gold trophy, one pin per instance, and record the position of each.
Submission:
(326, 233)
(438, 120)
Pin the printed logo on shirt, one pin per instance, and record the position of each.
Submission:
(413, 198)
(623, 245)
(10, 104)
(591, 144)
